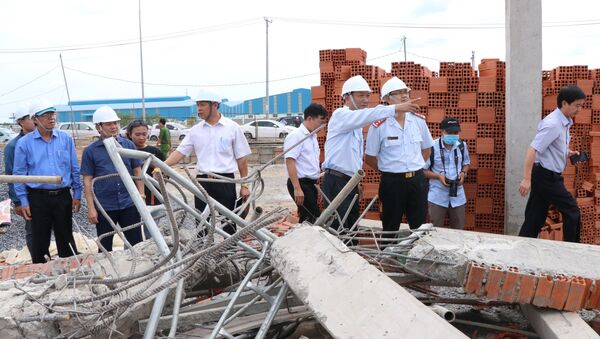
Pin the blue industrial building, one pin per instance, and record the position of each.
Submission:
(183, 108)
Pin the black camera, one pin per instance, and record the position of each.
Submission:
(453, 187)
(581, 157)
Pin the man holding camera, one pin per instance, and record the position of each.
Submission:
(447, 169)
(398, 147)
(545, 160)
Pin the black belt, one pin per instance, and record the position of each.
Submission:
(48, 191)
(337, 174)
(204, 176)
(540, 167)
(405, 175)
(308, 180)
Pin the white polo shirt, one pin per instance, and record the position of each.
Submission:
(217, 147)
(306, 154)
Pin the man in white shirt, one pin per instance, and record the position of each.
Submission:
(302, 163)
(344, 144)
(220, 147)
(398, 148)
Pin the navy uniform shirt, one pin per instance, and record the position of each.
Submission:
(9, 160)
(397, 148)
(552, 141)
(111, 192)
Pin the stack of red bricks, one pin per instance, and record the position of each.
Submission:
(554, 291)
(581, 180)
(477, 99)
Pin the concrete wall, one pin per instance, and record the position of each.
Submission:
(523, 98)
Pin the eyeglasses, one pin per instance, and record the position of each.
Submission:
(47, 115)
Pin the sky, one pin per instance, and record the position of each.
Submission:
(222, 44)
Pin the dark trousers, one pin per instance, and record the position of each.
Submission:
(224, 193)
(125, 217)
(29, 236)
(51, 211)
(548, 188)
(400, 195)
(332, 185)
(309, 210)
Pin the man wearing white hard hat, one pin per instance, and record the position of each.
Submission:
(398, 148)
(24, 120)
(50, 207)
(220, 147)
(344, 144)
(111, 193)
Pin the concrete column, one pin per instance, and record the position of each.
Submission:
(523, 98)
(553, 324)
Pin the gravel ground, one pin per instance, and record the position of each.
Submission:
(15, 235)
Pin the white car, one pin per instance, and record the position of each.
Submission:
(266, 129)
(177, 130)
(80, 130)
(7, 135)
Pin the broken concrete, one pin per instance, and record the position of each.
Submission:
(551, 324)
(511, 269)
(351, 298)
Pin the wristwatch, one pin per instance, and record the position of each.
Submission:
(244, 186)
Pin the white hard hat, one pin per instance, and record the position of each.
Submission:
(104, 114)
(41, 106)
(355, 84)
(206, 94)
(394, 84)
(21, 112)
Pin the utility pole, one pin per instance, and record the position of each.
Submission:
(404, 46)
(473, 59)
(75, 136)
(267, 22)
(141, 60)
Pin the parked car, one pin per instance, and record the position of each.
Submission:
(177, 130)
(6, 135)
(295, 121)
(266, 129)
(80, 130)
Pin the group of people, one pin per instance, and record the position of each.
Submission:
(42, 150)
(421, 178)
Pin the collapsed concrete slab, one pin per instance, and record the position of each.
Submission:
(544, 273)
(350, 297)
(551, 324)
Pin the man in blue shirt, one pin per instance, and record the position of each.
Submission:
(447, 169)
(398, 148)
(23, 118)
(545, 160)
(344, 144)
(50, 207)
(111, 192)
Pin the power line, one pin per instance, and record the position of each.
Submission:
(461, 26)
(126, 42)
(29, 82)
(31, 97)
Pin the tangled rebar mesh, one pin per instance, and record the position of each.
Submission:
(97, 298)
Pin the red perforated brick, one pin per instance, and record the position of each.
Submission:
(493, 283)
(543, 291)
(510, 286)
(577, 294)
(475, 278)
(560, 292)
(527, 288)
